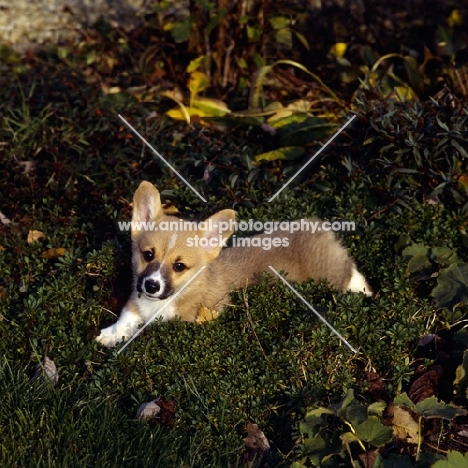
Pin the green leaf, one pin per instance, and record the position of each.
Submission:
(377, 408)
(279, 22)
(298, 465)
(319, 412)
(315, 444)
(287, 152)
(374, 432)
(402, 241)
(461, 381)
(211, 106)
(418, 263)
(454, 460)
(215, 20)
(301, 133)
(420, 268)
(444, 255)
(432, 408)
(284, 36)
(348, 437)
(415, 76)
(354, 413)
(452, 286)
(403, 400)
(415, 249)
(181, 30)
(393, 461)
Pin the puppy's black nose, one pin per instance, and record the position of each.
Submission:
(152, 287)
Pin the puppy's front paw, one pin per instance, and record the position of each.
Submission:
(109, 338)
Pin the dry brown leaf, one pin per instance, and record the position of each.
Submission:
(53, 253)
(206, 315)
(404, 426)
(368, 458)
(376, 386)
(426, 384)
(256, 444)
(34, 236)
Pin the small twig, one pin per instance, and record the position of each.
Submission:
(246, 303)
(384, 209)
(433, 447)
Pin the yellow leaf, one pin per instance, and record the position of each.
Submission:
(280, 114)
(339, 49)
(287, 152)
(195, 63)
(174, 94)
(168, 26)
(404, 426)
(197, 83)
(462, 181)
(34, 236)
(299, 106)
(206, 315)
(53, 253)
(404, 94)
(185, 113)
(455, 19)
(212, 107)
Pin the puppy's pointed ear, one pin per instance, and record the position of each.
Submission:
(146, 203)
(218, 229)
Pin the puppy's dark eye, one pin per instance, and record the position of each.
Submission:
(148, 255)
(178, 267)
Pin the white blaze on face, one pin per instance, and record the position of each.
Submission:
(155, 277)
(358, 283)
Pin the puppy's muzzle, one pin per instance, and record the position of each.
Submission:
(151, 286)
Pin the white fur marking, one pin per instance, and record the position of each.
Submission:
(358, 283)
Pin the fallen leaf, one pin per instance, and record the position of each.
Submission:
(4, 220)
(376, 387)
(368, 458)
(46, 371)
(157, 411)
(34, 236)
(256, 444)
(149, 410)
(426, 385)
(404, 426)
(206, 315)
(53, 253)
(28, 166)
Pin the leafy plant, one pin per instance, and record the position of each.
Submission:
(443, 263)
(426, 409)
(351, 422)
(324, 438)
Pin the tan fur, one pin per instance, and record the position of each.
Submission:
(309, 256)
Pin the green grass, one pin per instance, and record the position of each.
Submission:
(267, 358)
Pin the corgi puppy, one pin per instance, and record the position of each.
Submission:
(176, 272)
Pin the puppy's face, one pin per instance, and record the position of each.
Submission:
(164, 259)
